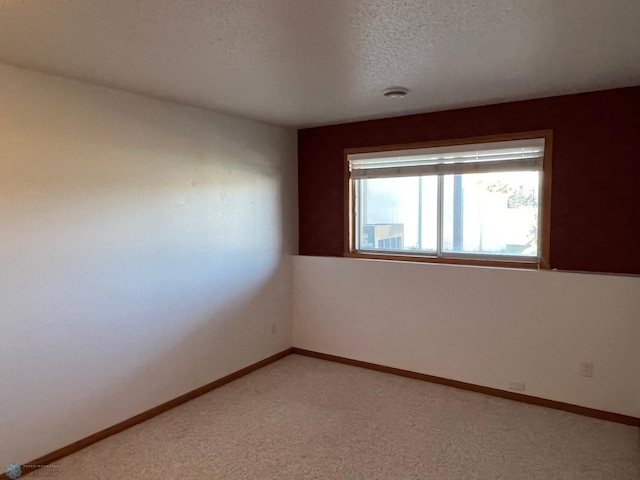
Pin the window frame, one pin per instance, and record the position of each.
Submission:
(543, 260)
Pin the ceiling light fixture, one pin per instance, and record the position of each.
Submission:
(395, 92)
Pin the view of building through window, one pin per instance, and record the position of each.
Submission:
(490, 213)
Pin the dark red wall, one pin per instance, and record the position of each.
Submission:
(595, 207)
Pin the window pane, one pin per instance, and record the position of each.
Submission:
(491, 213)
(398, 214)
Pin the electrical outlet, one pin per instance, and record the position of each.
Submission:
(586, 369)
(519, 386)
(273, 329)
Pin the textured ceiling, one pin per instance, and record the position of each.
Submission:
(313, 62)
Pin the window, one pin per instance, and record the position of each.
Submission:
(478, 201)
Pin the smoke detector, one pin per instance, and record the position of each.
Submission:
(395, 92)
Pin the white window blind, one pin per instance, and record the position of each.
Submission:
(516, 155)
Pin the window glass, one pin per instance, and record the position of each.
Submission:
(398, 213)
(491, 213)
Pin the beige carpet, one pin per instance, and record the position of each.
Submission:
(303, 418)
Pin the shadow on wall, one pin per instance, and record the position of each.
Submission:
(183, 355)
(144, 253)
(114, 312)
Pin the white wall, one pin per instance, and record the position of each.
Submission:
(144, 252)
(484, 326)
